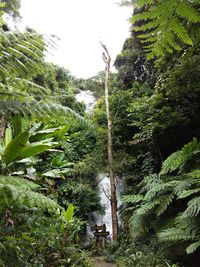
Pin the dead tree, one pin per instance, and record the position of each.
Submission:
(113, 198)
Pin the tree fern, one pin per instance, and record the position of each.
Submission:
(170, 204)
(21, 191)
(22, 56)
(165, 24)
(179, 158)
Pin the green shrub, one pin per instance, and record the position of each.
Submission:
(138, 254)
(30, 238)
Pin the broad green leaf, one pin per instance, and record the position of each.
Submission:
(57, 173)
(8, 136)
(19, 124)
(15, 147)
(60, 133)
(53, 173)
(35, 149)
(43, 134)
(68, 214)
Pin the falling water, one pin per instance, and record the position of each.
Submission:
(104, 181)
(88, 99)
(106, 218)
(104, 187)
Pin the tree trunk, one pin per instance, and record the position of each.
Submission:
(107, 60)
(2, 127)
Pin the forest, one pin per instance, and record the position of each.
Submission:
(142, 133)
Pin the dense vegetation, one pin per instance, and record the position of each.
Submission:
(51, 151)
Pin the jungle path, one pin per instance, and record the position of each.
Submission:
(99, 262)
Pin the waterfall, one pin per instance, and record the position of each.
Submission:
(88, 99)
(104, 187)
(104, 181)
(106, 218)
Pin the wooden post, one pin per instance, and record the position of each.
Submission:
(100, 234)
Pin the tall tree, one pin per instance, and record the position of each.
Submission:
(113, 199)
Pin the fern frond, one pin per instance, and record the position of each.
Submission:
(193, 208)
(132, 198)
(162, 24)
(175, 235)
(41, 110)
(20, 182)
(188, 193)
(178, 159)
(180, 31)
(159, 189)
(185, 10)
(195, 175)
(193, 247)
(147, 207)
(19, 190)
(150, 182)
(165, 201)
(138, 225)
(181, 187)
(20, 54)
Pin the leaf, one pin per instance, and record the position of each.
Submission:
(35, 148)
(179, 158)
(132, 198)
(192, 247)
(15, 147)
(187, 193)
(19, 124)
(8, 136)
(42, 134)
(68, 214)
(164, 21)
(60, 133)
(53, 173)
(193, 208)
(18, 181)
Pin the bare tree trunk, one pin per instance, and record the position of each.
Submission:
(113, 198)
(2, 127)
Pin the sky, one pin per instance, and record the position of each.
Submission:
(80, 26)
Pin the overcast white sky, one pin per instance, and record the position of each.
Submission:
(80, 25)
